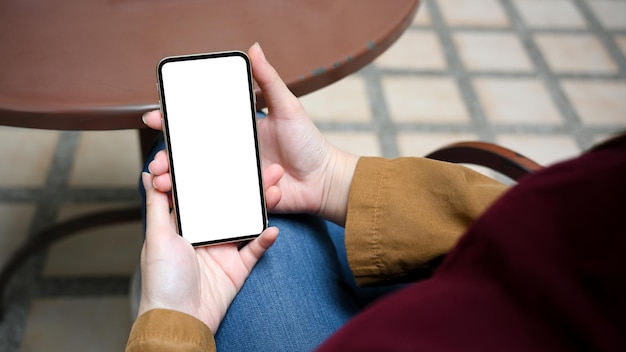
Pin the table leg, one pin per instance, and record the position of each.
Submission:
(147, 137)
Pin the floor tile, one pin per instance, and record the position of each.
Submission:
(473, 13)
(364, 144)
(422, 17)
(15, 221)
(77, 324)
(550, 14)
(575, 53)
(597, 102)
(26, 155)
(611, 14)
(107, 158)
(520, 101)
(492, 52)
(424, 100)
(545, 150)
(343, 101)
(109, 250)
(414, 50)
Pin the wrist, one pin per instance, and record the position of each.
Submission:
(337, 185)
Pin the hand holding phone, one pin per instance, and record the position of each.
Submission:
(208, 106)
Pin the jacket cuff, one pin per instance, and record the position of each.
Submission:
(169, 330)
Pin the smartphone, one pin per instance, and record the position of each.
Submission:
(208, 106)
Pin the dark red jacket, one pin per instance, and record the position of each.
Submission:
(543, 269)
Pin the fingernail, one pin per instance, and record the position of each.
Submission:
(146, 179)
(260, 51)
(143, 118)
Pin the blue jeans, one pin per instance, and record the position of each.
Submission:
(299, 293)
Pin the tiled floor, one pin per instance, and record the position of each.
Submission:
(544, 77)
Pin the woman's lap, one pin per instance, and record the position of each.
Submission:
(296, 295)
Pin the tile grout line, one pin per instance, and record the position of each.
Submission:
(382, 123)
(56, 183)
(455, 66)
(603, 35)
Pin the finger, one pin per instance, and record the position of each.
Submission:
(272, 174)
(163, 183)
(153, 119)
(273, 195)
(159, 164)
(253, 251)
(158, 218)
(276, 93)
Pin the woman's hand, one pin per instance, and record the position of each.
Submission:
(201, 282)
(317, 176)
(302, 172)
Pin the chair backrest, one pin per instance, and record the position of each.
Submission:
(493, 156)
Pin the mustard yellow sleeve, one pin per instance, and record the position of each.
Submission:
(169, 330)
(404, 214)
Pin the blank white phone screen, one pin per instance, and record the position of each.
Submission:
(210, 120)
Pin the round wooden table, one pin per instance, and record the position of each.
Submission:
(90, 64)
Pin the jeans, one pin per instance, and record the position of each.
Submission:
(300, 291)
(296, 295)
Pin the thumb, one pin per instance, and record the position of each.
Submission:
(276, 93)
(253, 251)
(158, 217)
